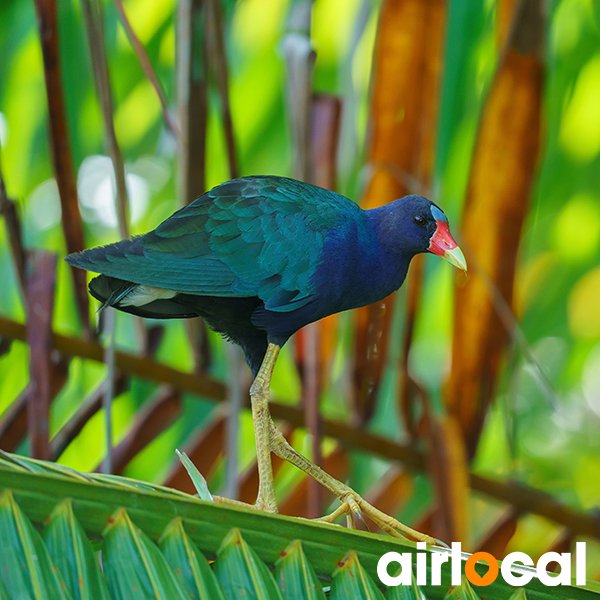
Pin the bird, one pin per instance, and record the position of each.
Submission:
(258, 258)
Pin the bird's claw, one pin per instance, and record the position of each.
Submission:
(354, 505)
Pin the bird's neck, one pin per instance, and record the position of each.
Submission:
(360, 264)
(389, 260)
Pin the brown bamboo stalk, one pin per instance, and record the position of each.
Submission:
(431, 60)
(395, 131)
(146, 65)
(40, 305)
(192, 110)
(61, 151)
(191, 99)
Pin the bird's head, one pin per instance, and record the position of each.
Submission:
(425, 228)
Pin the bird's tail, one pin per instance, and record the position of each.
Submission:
(111, 291)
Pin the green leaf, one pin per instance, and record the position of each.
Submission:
(519, 595)
(189, 565)
(207, 523)
(40, 466)
(133, 565)
(296, 576)
(196, 477)
(26, 568)
(464, 591)
(3, 592)
(406, 592)
(241, 572)
(73, 555)
(350, 580)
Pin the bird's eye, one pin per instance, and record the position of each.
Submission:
(419, 220)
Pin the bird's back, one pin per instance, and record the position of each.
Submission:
(255, 236)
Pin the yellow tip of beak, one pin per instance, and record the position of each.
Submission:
(456, 258)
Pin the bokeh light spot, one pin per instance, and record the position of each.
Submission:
(590, 380)
(137, 114)
(97, 190)
(42, 208)
(146, 17)
(257, 23)
(576, 234)
(567, 24)
(3, 130)
(580, 125)
(332, 42)
(583, 306)
(531, 278)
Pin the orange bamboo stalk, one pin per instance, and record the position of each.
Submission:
(402, 123)
(502, 173)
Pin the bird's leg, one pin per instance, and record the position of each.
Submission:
(351, 501)
(259, 396)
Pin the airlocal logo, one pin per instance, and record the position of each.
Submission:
(513, 574)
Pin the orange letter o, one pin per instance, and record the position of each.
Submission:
(472, 574)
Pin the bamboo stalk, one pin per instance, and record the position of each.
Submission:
(61, 151)
(192, 109)
(146, 65)
(40, 306)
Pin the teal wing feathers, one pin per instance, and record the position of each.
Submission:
(255, 236)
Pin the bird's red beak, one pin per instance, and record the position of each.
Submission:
(443, 244)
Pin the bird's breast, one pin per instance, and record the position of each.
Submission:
(355, 270)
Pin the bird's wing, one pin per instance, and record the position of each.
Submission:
(255, 236)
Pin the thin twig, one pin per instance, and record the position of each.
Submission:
(191, 99)
(511, 324)
(92, 12)
(109, 390)
(235, 401)
(146, 65)
(8, 210)
(215, 39)
(300, 59)
(40, 306)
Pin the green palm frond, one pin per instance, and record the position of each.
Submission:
(156, 542)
